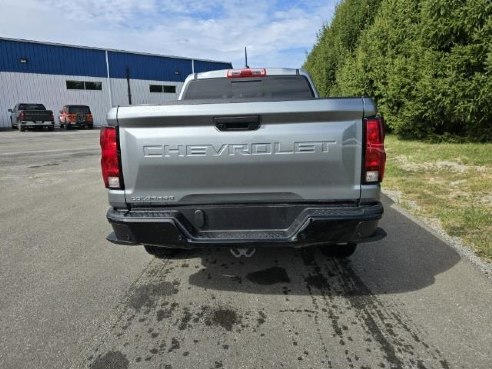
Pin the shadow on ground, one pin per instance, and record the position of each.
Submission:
(408, 259)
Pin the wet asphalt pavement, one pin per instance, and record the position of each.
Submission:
(70, 299)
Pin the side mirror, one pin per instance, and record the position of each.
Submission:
(10, 110)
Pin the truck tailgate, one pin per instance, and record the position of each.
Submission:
(37, 115)
(184, 153)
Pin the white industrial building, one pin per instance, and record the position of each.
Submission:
(56, 75)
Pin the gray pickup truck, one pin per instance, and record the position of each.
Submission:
(24, 116)
(245, 158)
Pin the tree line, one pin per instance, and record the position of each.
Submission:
(428, 63)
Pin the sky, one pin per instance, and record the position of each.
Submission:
(276, 33)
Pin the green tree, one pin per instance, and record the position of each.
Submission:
(338, 40)
(427, 62)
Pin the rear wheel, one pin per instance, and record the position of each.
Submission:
(162, 252)
(339, 251)
(67, 126)
(21, 128)
(51, 128)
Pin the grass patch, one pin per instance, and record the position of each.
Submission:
(445, 181)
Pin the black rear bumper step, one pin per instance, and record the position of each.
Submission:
(266, 225)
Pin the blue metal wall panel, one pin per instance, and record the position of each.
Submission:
(76, 61)
(51, 59)
(148, 67)
(205, 66)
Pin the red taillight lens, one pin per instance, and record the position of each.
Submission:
(246, 72)
(21, 115)
(375, 156)
(110, 159)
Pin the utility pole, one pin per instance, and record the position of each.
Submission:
(128, 83)
(246, 58)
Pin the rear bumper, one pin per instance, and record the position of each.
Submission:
(247, 226)
(37, 123)
(79, 124)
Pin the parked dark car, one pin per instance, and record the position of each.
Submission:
(24, 116)
(79, 116)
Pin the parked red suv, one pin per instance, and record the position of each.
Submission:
(76, 116)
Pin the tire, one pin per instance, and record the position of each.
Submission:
(67, 127)
(21, 127)
(90, 126)
(339, 251)
(161, 252)
(51, 128)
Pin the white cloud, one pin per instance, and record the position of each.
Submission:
(275, 35)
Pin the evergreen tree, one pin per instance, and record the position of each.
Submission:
(427, 62)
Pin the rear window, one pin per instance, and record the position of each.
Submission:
(79, 109)
(265, 88)
(31, 107)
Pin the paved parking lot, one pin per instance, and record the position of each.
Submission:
(70, 299)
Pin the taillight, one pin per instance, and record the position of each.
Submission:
(375, 156)
(246, 72)
(21, 115)
(110, 158)
(52, 116)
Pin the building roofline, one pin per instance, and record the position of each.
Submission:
(113, 50)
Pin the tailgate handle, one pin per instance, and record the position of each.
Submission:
(238, 123)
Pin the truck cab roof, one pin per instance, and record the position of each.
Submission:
(227, 83)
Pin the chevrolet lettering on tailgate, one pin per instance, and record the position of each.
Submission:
(275, 148)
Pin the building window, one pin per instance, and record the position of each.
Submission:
(84, 85)
(169, 89)
(75, 85)
(93, 85)
(163, 88)
(155, 88)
